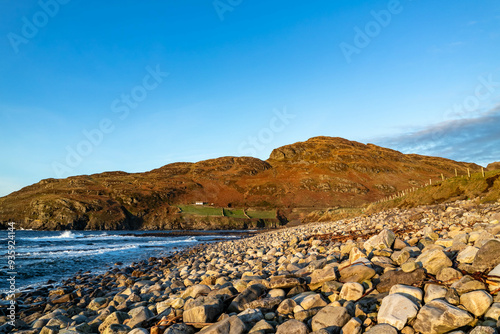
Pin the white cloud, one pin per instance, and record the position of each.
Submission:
(473, 139)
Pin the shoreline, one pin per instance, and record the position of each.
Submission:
(52, 282)
(307, 276)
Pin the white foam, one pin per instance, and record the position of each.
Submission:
(80, 252)
(66, 235)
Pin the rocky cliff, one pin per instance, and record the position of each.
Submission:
(318, 173)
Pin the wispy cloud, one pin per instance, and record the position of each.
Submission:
(473, 139)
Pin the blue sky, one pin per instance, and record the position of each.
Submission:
(87, 86)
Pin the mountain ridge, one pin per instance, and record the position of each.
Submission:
(318, 173)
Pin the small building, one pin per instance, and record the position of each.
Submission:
(200, 203)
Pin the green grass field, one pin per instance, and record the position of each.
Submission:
(233, 213)
(268, 214)
(201, 210)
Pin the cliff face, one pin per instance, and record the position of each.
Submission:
(321, 172)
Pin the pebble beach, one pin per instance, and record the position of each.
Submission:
(431, 270)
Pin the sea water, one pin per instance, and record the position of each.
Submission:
(42, 256)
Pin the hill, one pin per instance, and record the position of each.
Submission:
(321, 172)
(483, 189)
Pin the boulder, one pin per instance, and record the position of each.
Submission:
(331, 318)
(382, 329)
(357, 273)
(251, 293)
(313, 301)
(410, 292)
(138, 316)
(493, 312)
(383, 240)
(292, 327)
(353, 326)
(467, 284)
(202, 314)
(393, 277)
(195, 291)
(231, 325)
(396, 310)
(487, 257)
(438, 317)
(323, 275)
(467, 255)
(351, 291)
(178, 329)
(476, 302)
(434, 260)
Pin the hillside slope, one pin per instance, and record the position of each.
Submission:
(318, 173)
(483, 189)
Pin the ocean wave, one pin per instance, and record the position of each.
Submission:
(63, 236)
(69, 235)
(170, 241)
(79, 252)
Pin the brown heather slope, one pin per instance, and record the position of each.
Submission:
(321, 172)
(493, 166)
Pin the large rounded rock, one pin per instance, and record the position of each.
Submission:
(467, 254)
(383, 240)
(483, 330)
(313, 301)
(382, 329)
(357, 273)
(351, 291)
(434, 260)
(232, 325)
(438, 317)
(353, 326)
(331, 317)
(476, 302)
(493, 312)
(115, 318)
(292, 327)
(195, 291)
(323, 275)
(251, 293)
(396, 310)
(393, 277)
(202, 314)
(434, 291)
(116, 329)
(98, 303)
(286, 306)
(138, 316)
(410, 292)
(467, 284)
(487, 257)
